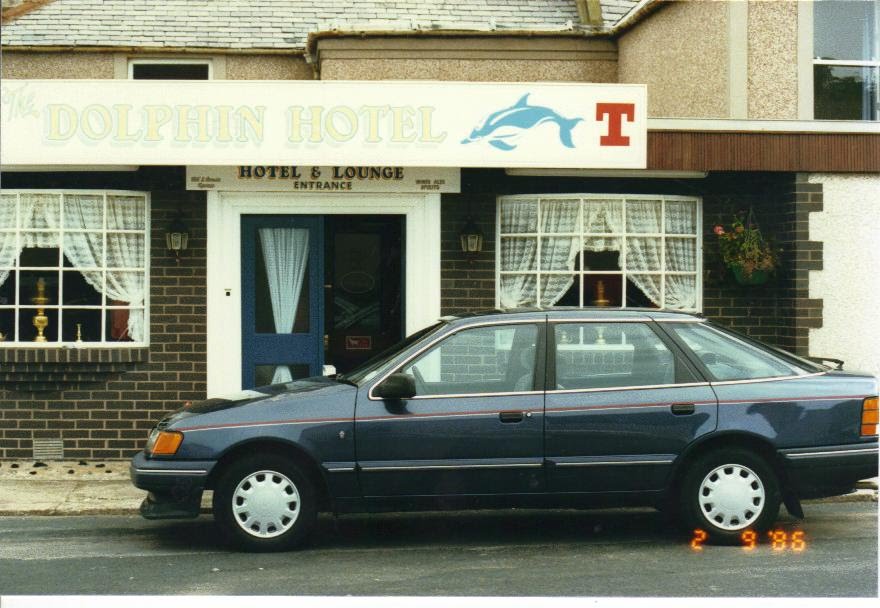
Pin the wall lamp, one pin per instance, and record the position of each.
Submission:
(177, 237)
(471, 238)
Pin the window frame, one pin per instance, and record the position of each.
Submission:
(103, 307)
(435, 340)
(623, 234)
(169, 61)
(848, 63)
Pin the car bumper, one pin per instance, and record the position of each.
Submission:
(829, 470)
(175, 487)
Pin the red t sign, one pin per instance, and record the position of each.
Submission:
(614, 111)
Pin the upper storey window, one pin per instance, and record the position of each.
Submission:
(169, 69)
(846, 59)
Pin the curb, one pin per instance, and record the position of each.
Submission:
(86, 512)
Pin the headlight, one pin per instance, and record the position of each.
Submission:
(164, 443)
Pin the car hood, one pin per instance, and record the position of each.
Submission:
(305, 397)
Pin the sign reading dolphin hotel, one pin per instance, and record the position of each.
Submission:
(296, 123)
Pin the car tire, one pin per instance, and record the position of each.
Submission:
(728, 491)
(265, 503)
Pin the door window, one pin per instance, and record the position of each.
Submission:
(495, 359)
(607, 355)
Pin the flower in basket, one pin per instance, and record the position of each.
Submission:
(745, 250)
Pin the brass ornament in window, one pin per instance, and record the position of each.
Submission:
(601, 300)
(40, 321)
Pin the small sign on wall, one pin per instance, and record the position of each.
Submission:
(358, 342)
(332, 179)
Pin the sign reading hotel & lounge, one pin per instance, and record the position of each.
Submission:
(323, 179)
(367, 124)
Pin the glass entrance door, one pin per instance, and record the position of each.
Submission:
(363, 287)
(282, 298)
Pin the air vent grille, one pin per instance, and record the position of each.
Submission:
(48, 449)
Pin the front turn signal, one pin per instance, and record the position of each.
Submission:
(164, 443)
(870, 414)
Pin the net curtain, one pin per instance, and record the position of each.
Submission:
(125, 251)
(559, 252)
(286, 254)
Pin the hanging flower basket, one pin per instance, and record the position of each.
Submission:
(751, 258)
(757, 277)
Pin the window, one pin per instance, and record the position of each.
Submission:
(169, 69)
(729, 358)
(599, 250)
(846, 59)
(79, 256)
(606, 355)
(496, 359)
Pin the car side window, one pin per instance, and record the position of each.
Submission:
(610, 355)
(728, 358)
(493, 359)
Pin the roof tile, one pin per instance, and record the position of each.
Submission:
(276, 23)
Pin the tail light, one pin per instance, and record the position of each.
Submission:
(869, 416)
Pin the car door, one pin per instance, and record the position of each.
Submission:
(622, 403)
(475, 425)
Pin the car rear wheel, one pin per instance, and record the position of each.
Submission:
(728, 491)
(264, 503)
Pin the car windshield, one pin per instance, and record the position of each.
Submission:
(372, 366)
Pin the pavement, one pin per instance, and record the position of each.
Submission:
(70, 487)
(82, 487)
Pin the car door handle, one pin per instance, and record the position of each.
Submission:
(511, 416)
(683, 409)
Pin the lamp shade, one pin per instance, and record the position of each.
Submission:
(177, 236)
(471, 237)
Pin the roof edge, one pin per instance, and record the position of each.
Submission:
(156, 50)
(636, 15)
(578, 32)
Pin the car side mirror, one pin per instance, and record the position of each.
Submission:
(397, 386)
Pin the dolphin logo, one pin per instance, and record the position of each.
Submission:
(508, 124)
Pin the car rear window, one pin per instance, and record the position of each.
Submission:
(730, 356)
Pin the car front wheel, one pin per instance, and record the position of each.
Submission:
(264, 503)
(729, 491)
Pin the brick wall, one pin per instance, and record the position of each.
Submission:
(779, 312)
(104, 402)
(101, 403)
(467, 282)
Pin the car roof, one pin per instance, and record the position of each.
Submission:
(573, 312)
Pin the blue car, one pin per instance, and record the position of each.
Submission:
(559, 408)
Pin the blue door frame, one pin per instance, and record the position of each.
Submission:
(281, 349)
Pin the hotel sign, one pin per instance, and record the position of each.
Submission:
(292, 178)
(326, 123)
